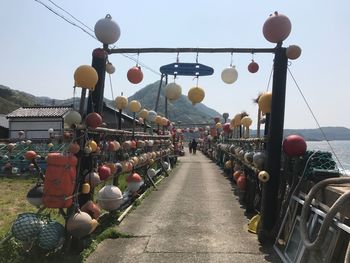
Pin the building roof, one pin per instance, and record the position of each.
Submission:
(3, 121)
(124, 115)
(39, 112)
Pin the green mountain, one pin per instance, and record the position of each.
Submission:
(180, 110)
(13, 99)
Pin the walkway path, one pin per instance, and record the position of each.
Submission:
(193, 217)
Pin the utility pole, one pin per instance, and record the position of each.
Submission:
(269, 204)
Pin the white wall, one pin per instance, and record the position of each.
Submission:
(34, 128)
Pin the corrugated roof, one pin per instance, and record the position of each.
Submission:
(39, 112)
(3, 121)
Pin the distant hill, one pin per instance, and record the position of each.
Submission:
(179, 110)
(13, 99)
(332, 133)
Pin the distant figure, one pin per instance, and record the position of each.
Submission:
(194, 146)
(190, 147)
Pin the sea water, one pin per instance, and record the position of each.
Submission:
(341, 151)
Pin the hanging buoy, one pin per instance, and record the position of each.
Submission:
(229, 75)
(72, 117)
(92, 209)
(277, 28)
(51, 236)
(35, 195)
(264, 102)
(134, 182)
(109, 197)
(173, 91)
(135, 75)
(27, 226)
(294, 146)
(79, 225)
(259, 160)
(263, 176)
(110, 69)
(143, 114)
(104, 172)
(107, 30)
(92, 144)
(134, 106)
(85, 77)
(30, 155)
(85, 189)
(196, 95)
(121, 102)
(253, 67)
(93, 120)
(242, 182)
(293, 52)
(93, 179)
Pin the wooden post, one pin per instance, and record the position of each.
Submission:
(120, 120)
(158, 94)
(269, 204)
(95, 101)
(133, 125)
(95, 104)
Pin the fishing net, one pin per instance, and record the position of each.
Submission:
(27, 226)
(319, 161)
(51, 236)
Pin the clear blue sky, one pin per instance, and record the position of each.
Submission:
(40, 51)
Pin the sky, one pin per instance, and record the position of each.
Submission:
(40, 51)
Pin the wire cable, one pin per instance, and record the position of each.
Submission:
(89, 28)
(76, 19)
(314, 117)
(64, 18)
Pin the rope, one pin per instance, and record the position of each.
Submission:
(87, 29)
(315, 119)
(270, 77)
(110, 83)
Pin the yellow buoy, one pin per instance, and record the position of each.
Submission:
(264, 102)
(196, 95)
(85, 77)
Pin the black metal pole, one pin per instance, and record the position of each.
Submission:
(269, 204)
(166, 99)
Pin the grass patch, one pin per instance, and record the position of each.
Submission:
(13, 200)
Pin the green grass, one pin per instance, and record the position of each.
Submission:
(13, 200)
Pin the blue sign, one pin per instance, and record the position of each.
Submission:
(186, 69)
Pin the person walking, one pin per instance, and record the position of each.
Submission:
(190, 147)
(194, 146)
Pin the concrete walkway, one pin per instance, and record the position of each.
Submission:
(193, 217)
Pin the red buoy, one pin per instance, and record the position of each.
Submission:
(294, 145)
(253, 67)
(242, 182)
(135, 75)
(93, 120)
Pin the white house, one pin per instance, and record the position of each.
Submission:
(35, 122)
